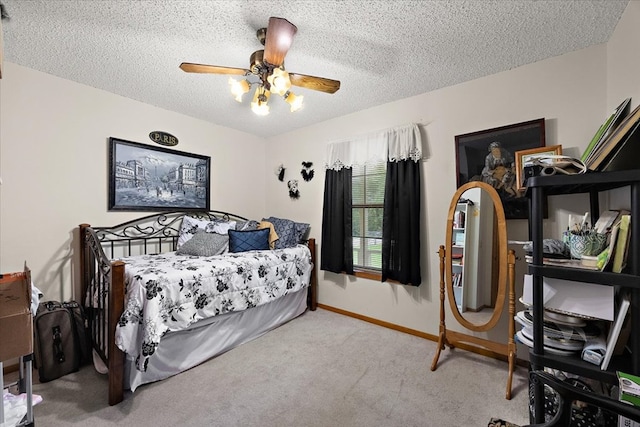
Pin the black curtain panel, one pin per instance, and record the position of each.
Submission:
(401, 223)
(337, 241)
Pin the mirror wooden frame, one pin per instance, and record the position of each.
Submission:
(501, 229)
(506, 286)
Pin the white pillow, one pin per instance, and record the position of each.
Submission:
(220, 227)
(189, 228)
(191, 225)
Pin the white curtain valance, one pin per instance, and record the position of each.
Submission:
(395, 144)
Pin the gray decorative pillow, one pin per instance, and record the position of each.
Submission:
(205, 244)
(290, 233)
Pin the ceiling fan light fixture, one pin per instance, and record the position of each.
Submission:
(295, 101)
(239, 88)
(260, 99)
(266, 70)
(279, 81)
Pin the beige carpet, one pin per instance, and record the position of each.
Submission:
(322, 369)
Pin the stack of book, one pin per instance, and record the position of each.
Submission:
(616, 144)
(457, 279)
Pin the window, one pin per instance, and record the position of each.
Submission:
(359, 200)
(368, 183)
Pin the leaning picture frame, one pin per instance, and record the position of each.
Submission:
(147, 178)
(488, 156)
(525, 156)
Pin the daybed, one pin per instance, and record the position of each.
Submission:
(154, 311)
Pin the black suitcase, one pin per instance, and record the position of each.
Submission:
(81, 331)
(56, 344)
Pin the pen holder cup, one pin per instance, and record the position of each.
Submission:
(590, 244)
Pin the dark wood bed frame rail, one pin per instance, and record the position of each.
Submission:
(102, 280)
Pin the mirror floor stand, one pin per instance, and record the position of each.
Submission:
(453, 338)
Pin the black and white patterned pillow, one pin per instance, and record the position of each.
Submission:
(205, 244)
(247, 225)
(191, 225)
(290, 233)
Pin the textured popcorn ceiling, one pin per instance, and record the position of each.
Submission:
(381, 51)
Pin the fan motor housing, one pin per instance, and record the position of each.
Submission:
(256, 62)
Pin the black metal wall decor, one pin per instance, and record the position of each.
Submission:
(163, 138)
(306, 172)
(147, 178)
(280, 170)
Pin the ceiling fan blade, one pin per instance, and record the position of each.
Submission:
(315, 83)
(212, 69)
(280, 34)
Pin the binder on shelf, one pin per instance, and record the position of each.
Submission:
(611, 247)
(607, 127)
(614, 332)
(622, 244)
(624, 155)
(611, 146)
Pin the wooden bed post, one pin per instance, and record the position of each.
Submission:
(313, 283)
(116, 356)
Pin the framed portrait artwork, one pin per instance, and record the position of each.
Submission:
(148, 178)
(488, 156)
(525, 157)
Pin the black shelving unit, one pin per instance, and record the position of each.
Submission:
(538, 190)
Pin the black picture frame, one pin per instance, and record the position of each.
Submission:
(475, 161)
(147, 178)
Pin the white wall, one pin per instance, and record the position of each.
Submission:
(569, 91)
(623, 60)
(54, 161)
(623, 71)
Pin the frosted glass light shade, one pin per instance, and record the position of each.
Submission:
(260, 99)
(239, 88)
(279, 81)
(295, 101)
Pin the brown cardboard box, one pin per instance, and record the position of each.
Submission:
(16, 323)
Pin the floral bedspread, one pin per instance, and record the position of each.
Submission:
(169, 292)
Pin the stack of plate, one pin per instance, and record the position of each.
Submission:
(564, 334)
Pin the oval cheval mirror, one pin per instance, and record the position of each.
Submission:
(477, 272)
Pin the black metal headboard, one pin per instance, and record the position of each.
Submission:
(160, 230)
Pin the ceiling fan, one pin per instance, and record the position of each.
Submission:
(268, 65)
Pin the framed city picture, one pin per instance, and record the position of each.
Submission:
(147, 178)
(488, 156)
